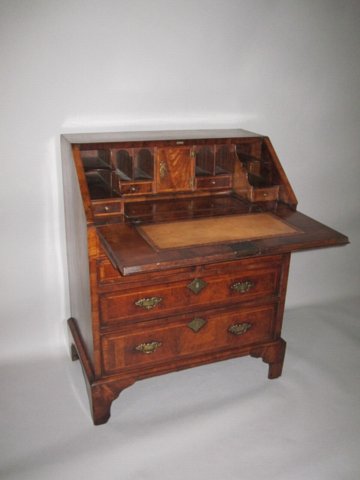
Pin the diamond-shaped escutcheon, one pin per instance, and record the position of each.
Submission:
(197, 285)
(196, 324)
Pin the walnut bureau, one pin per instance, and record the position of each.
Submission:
(178, 247)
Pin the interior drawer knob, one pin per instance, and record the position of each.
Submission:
(239, 328)
(148, 303)
(242, 287)
(149, 347)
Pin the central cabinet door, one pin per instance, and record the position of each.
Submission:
(175, 169)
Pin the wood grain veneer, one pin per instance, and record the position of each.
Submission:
(179, 248)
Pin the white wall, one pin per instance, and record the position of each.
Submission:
(288, 69)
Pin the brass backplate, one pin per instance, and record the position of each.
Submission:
(149, 347)
(242, 287)
(148, 303)
(239, 328)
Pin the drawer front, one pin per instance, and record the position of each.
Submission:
(265, 194)
(136, 188)
(107, 274)
(213, 182)
(173, 297)
(188, 336)
(106, 208)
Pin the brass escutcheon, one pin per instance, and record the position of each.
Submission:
(163, 169)
(242, 287)
(196, 285)
(239, 328)
(148, 303)
(196, 324)
(149, 347)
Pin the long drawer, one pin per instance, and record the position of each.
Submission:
(107, 275)
(134, 304)
(187, 335)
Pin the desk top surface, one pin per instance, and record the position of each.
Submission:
(157, 135)
(158, 243)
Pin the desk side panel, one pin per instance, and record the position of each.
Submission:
(77, 249)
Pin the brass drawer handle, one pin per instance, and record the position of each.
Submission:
(148, 303)
(148, 348)
(239, 328)
(163, 169)
(242, 287)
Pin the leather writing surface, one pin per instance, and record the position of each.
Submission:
(131, 253)
(221, 229)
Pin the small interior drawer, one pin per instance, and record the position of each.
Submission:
(136, 188)
(268, 194)
(223, 181)
(106, 207)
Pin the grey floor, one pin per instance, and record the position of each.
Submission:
(221, 421)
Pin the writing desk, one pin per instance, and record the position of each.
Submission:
(179, 246)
